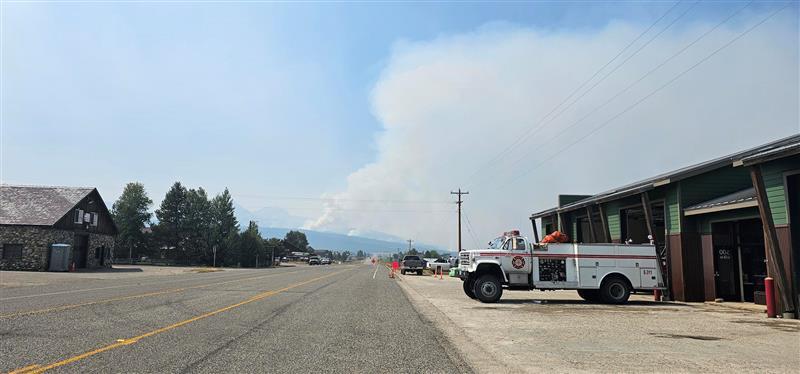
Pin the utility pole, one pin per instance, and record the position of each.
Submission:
(409, 244)
(459, 193)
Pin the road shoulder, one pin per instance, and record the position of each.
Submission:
(468, 351)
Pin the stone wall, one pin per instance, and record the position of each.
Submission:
(36, 241)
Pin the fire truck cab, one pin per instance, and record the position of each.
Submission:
(599, 272)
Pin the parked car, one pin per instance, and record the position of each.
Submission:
(411, 263)
(325, 261)
(440, 264)
(313, 260)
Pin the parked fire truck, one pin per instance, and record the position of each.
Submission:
(599, 272)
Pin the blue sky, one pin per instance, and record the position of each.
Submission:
(269, 99)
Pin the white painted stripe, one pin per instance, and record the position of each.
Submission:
(376, 272)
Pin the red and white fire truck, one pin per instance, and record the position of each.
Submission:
(599, 272)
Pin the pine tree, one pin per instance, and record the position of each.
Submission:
(131, 215)
(252, 247)
(196, 226)
(170, 231)
(224, 227)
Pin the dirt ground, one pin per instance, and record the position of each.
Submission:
(556, 331)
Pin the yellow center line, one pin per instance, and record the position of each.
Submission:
(23, 370)
(124, 342)
(121, 298)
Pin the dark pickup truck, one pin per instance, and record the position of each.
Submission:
(412, 263)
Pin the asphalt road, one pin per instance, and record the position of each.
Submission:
(336, 319)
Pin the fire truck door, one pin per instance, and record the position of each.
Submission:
(518, 261)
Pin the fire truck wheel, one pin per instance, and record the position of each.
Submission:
(592, 296)
(469, 286)
(615, 291)
(488, 289)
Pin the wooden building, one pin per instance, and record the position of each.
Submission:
(721, 226)
(34, 218)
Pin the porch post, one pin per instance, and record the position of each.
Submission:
(775, 268)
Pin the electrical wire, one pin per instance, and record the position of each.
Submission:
(541, 122)
(516, 163)
(310, 198)
(469, 228)
(649, 95)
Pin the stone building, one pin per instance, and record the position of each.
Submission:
(33, 218)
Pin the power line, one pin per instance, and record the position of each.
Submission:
(471, 230)
(332, 199)
(526, 135)
(634, 83)
(665, 85)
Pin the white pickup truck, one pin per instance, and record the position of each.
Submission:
(599, 272)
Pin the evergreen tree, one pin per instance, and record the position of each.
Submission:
(296, 241)
(170, 231)
(197, 227)
(224, 227)
(131, 215)
(251, 246)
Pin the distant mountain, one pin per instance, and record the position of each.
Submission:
(268, 217)
(273, 223)
(341, 242)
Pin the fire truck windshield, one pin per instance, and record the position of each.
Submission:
(496, 243)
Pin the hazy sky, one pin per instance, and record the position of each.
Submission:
(384, 108)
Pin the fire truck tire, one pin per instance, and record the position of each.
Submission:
(488, 289)
(615, 290)
(469, 287)
(592, 296)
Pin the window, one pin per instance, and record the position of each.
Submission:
(11, 251)
(78, 217)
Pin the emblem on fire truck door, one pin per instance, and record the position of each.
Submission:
(518, 262)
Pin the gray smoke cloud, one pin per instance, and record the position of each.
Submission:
(451, 104)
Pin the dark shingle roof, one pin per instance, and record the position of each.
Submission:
(38, 205)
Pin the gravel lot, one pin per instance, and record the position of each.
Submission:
(558, 332)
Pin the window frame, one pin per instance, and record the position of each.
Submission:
(20, 254)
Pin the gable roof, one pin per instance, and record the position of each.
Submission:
(38, 205)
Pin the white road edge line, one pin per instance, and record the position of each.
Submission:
(376, 272)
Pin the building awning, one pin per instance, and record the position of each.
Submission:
(742, 199)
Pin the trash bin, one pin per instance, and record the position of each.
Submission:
(59, 257)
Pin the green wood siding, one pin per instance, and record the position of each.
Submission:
(612, 213)
(672, 209)
(714, 184)
(774, 184)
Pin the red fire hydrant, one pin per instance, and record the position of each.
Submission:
(769, 292)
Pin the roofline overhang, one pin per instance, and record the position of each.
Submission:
(788, 151)
(777, 149)
(720, 208)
